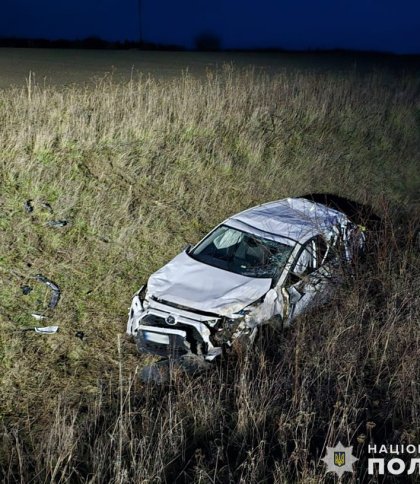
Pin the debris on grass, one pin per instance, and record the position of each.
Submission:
(26, 289)
(43, 329)
(57, 223)
(56, 292)
(47, 330)
(38, 316)
(28, 206)
(47, 206)
(80, 334)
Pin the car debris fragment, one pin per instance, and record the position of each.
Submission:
(26, 289)
(54, 299)
(56, 292)
(267, 264)
(47, 206)
(41, 329)
(57, 223)
(38, 316)
(28, 206)
(47, 329)
(80, 334)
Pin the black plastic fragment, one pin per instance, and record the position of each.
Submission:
(26, 290)
(80, 334)
(57, 223)
(56, 292)
(28, 205)
(47, 206)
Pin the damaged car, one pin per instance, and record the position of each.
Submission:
(265, 265)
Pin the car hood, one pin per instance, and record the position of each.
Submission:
(191, 283)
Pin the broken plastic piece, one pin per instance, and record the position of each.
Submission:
(80, 334)
(57, 223)
(47, 330)
(28, 206)
(47, 206)
(26, 290)
(55, 297)
(38, 316)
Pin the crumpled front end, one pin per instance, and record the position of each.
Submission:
(171, 331)
(168, 331)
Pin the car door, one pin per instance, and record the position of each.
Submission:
(308, 279)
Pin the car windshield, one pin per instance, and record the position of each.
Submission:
(241, 252)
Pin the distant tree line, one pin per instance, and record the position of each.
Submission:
(87, 43)
(205, 41)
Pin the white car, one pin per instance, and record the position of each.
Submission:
(269, 263)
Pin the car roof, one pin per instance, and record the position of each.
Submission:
(289, 220)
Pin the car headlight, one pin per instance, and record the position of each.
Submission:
(212, 322)
(243, 312)
(140, 295)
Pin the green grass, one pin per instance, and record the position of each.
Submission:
(139, 170)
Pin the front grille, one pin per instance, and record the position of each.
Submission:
(193, 335)
(154, 320)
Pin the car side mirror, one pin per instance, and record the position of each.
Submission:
(187, 248)
(294, 295)
(294, 278)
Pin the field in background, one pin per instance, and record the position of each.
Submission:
(141, 168)
(63, 67)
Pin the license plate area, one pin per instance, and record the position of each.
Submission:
(156, 337)
(162, 341)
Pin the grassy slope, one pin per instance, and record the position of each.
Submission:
(140, 170)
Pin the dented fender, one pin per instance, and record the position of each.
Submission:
(272, 305)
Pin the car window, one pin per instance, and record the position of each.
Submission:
(242, 252)
(321, 250)
(313, 255)
(306, 261)
(324, 251)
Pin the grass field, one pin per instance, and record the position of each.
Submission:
(139, 169)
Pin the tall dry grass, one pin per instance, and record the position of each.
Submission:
(139, 169)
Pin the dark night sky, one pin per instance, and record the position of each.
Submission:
(384, 25)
